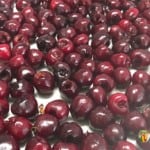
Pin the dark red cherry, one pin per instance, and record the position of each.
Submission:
(141, 77)
(44, 82)
(82, 25)
(118, 104)
(102, 52)
(124, 145)
(25, 106)
(134, 121)
(84, 50)
(140, 58)
(54, 56)
(81, 39)
(20, 49)
(105, 81)
(16, 61)
(83, 77)
(35, 58)
(37, 143)
(46, 42)
(12, 26)
(64, 145)
(73, 17)
(104, 67)
(98, 94)
(93, 141)
(81, 106)
(59, 21)
(100, 117)
(58, 108)
(65, 44)
(141, 41)
(136, 94)
(19, 127)
(114, 16)
(101, 27)
(100, 38)
(21, 87)
(122, 76)
(69, 88)
(121, 46)
(62, 71)
(117, 33)
(114, 133)
(68, 32)
(70, 132)
(131, 13)
(88, 64)
(8, 142)
(17, 16)
(45, 125)
(73, 59)
(27, 29)
(25, 72)
(121, 60)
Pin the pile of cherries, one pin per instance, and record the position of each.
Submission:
(96, 53)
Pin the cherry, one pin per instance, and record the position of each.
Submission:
(105, 81)
(134, 122)
(70, 132)
(25, 106)
(19, 127)
(83, 77)
(121, 145)
(100, 117)
(53, 56)
(118, 104)
(136, 94)
(44, 82)
(8, 142)
(69, 88)
(58, 108)
(93, 141)
(98, 94)
(114, 133)
(36, 143)
(81, 106)
(45, 125)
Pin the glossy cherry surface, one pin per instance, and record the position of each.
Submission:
(81, 106)
(70, 132)
(118, 104)
(93, 141)
(8, 142)
(19, 127)
(114, 133)
(36, 143)
(58, 108)
(45, 125)
(100, 117)
(44, 82)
